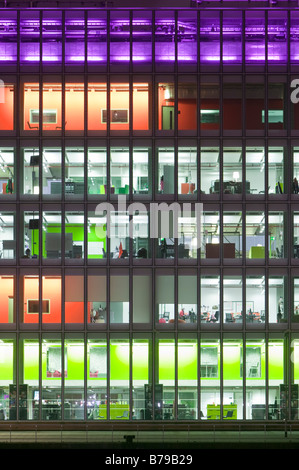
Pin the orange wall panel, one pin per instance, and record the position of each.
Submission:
(7, 111)
(6, 291)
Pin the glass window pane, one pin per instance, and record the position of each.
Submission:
(209, 169)
(96, 378)
(232, 299)
(232, 380)
(74, 37)
(278, 300)
(165, 183)
(187, 170)
(210, 377)
(164, 286)
(255, 235)
(255, 170)
(187, 297)
(54, 367)
(8, 310)
(210, 298)
(165, 381)
(97, 37)
(187, 350)
(29, 378)
(255, 378)
(119, 168)
(119, 297)
(142, 296)
(255, 299)
(119, 378)
(8, 47)
(52, 172)
(74, 403)
(210, 36)
(74, 298)
(51, 298)
(141, 380)
(52, 37)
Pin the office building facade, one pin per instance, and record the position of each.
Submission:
(105, 114)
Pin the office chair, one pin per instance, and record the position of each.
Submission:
(229, 317)
(124, 415)
(229, 414)
(31, 127)
(60, 127)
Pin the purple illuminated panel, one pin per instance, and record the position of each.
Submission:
(142, 37)
(52, 37)
(119, 36)
(166, 33)
(187, 37)
(294, 37)
(97, 37)
(8, 37)
(277, 36)
(74, 37)
(232, 36)
(164, 37)
(30, 37)
(210, 37)
(255, 49)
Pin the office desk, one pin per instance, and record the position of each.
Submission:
(213, 411)
(117, 411)
(257, 252)
(213, 250)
